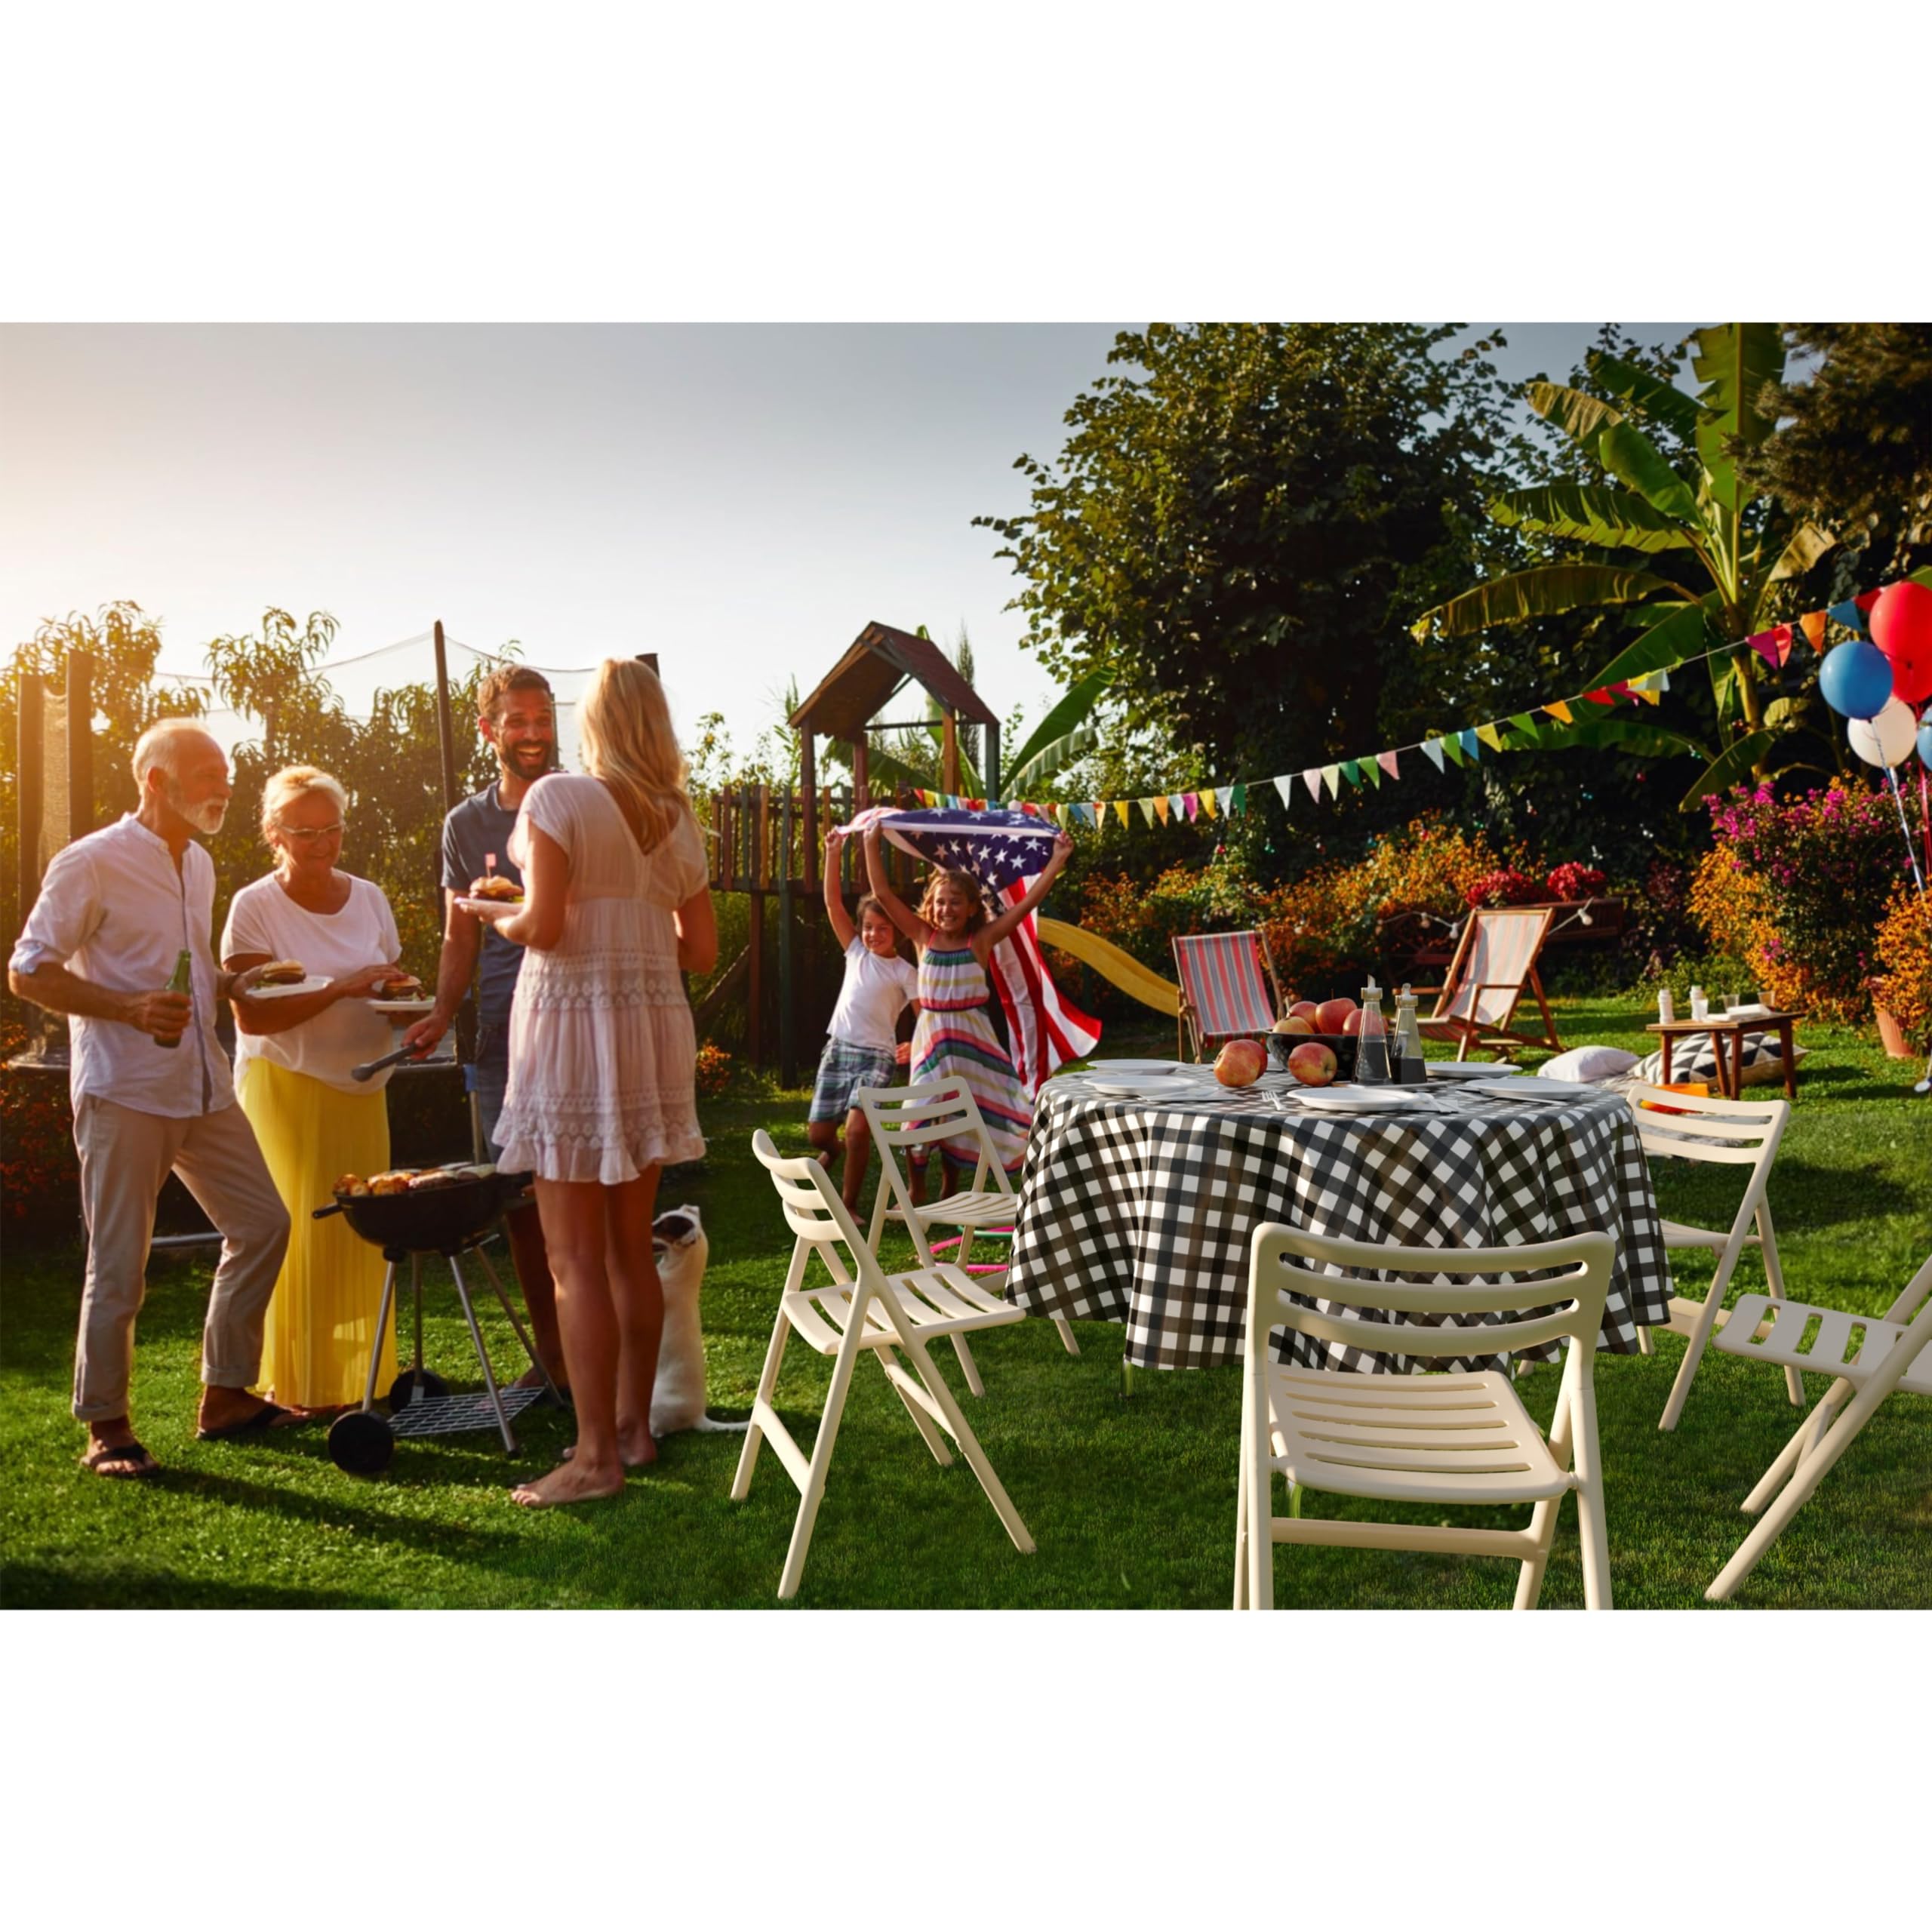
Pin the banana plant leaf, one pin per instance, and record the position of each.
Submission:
(1636, 736)
(1544, 591)
(883, 770)
(1051, 757)
(1581, 417)
(1616, 519)
(1650, 394)
(1733, 767)
(1682, 634)
(1071, 709)
(1802, 552)
(1632, 458)
(1733, 363)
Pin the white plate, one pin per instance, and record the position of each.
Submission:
(311, 984)
(1109, 1069)
(1467, 1069)
(1361, 1100)
(403, 1009)
(1528, 1089)
(489, 908)
(1148, 1087)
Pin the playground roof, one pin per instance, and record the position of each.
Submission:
(880, 660)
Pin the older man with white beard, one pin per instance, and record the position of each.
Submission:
(152, 1089)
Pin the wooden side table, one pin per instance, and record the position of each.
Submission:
(1730, 1067)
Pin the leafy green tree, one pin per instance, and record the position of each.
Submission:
(1243, 517)
(1667, 531)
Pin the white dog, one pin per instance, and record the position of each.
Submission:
(677, 1397)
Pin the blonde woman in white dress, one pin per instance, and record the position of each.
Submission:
(603, 1053)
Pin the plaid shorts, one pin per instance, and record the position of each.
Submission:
(843, 1066)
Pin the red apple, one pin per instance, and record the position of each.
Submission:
(1311, 1063)
(1240, 1062)
(1332, 1016)
(1353, 1023)
(1304, 1009)
(1295, 1022)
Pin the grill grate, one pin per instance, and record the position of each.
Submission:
(455, 1415)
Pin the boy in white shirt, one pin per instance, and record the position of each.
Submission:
(862, 1049)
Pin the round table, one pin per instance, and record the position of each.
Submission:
(1139, 1210)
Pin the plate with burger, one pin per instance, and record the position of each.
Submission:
(489, 897)
(402, 998)
(284, 979)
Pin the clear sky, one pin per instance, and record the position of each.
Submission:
(741, 499)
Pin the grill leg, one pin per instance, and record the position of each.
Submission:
(516, 1322)
(482, 1356)
(376, 1347)
(416, 1288)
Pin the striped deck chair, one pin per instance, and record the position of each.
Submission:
(1495, 962)
(1223, 993)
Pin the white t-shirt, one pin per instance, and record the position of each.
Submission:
(262, 917)
(875, 994)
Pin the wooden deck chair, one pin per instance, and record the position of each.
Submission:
(1869, 1361)
(1495, 962)
(1673, 1125)
(1436, 1438)
(903, 1117)
(1223, 994)
(862, 1310)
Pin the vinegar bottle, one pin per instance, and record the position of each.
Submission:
(1372, 1049)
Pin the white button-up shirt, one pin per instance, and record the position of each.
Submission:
(113, 910)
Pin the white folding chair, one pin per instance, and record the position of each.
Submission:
(856, 1312)
(1737, 1133)
(1869, 1360)
(1451, 1438)
(942, 1110)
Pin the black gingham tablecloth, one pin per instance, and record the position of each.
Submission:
(1140, 1210)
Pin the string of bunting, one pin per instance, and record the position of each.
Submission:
(1464, 745)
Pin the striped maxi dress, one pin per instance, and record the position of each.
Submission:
(954, 1040)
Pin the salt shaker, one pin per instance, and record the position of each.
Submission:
(1666, 1006)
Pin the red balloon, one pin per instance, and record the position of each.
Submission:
(1901, 623)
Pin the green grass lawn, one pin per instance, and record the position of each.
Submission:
(1131, 1500)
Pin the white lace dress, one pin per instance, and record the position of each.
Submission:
(602, 1051)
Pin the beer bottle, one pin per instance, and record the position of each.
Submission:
(183, 982)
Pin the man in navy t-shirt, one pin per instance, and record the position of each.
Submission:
(519, 721)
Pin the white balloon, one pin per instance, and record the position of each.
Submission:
(1887, 739)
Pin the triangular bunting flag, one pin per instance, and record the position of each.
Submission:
(1191, 804)
(1285, 784)
(1522, 721)
(1848, 615)
(1471, 743)
(1453, 745)
(1237, 800)
(1558, 709)
(1647, 688)
(1490, 736)
(1600, 696)
(1162, 808)
(1147, 809)
(1350, 770)
(1224, 797)
(1866, 599)
(1312, 778)
(1773, 646)
(1331, 776)
(1371, 770)
(1387, 760)
(1432, 750)
(1207, 801)
(1813, 623)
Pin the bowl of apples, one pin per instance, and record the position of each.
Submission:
(1329, 1025)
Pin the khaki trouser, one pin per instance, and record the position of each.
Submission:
(125, 1156)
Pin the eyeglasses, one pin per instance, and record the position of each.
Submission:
(311, 836)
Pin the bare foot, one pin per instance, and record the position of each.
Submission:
(566, 1483)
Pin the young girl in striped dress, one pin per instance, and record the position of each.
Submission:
(955, 1039)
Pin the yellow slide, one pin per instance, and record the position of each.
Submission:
(1121, 968)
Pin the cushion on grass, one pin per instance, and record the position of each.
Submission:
(1588, 1063)
(1694, 1058)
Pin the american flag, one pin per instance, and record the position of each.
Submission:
(1004, 851)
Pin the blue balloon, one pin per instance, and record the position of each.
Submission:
(1925, 736)
(1856, 679)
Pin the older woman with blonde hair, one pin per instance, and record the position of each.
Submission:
(603, 1053)
(293, 1059)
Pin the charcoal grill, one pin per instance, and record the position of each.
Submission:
(452, 1220)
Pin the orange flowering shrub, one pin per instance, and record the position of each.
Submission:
(1904, 984)
(1735, 911)
(714, 1069)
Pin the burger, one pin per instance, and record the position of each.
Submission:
(282, 973)
(395, 1181)
(404, 985)
(505, 891)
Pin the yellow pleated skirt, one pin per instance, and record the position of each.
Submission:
(322, 1318)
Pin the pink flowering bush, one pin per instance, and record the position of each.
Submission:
(1796, 887)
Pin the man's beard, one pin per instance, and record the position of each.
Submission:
(205, 817)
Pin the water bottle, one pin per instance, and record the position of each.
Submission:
(1372, 1048)
(183, 982)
